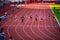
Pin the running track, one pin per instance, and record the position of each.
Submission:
(46, 29)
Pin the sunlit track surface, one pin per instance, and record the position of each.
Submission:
(46, 28)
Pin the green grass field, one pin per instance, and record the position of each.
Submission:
(56, 10)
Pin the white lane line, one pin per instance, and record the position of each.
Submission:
(17, 32)
(9, 28)
(24, 29)
(44, 33)
(8, 31)
(35, 32)
(55, 20)
(39, 22)
(7, 25)
(52, 26)
(45, 25)
(7, 21)
(48, 30)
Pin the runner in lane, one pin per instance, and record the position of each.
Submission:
(36, 17)
(31, 17)
(22, 18)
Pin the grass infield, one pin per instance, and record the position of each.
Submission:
(56, 10)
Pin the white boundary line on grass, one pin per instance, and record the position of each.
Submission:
(55, 16)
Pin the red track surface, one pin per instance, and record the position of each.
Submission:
(46, 29)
